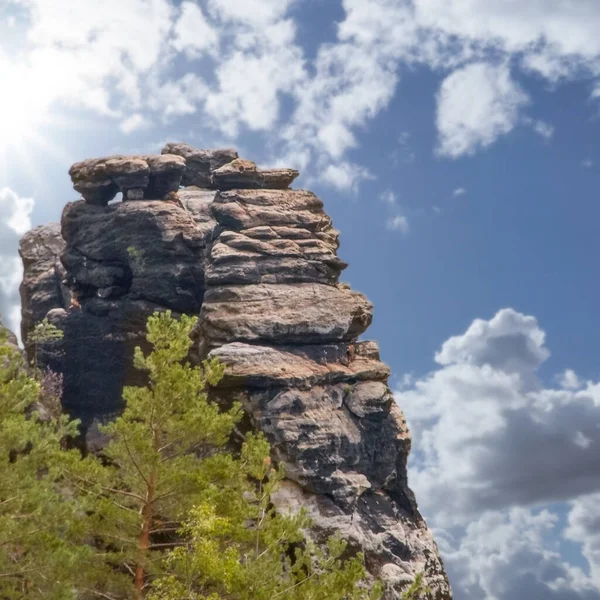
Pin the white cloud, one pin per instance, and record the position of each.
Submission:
(554, 27)
(133, 123)
(510, 341)
(253, 12)
(476, 105)
(542, 128)
(193, 34)
(344, 176)
(15, 213)
(587, 163)
(461, 191)
(584, 528)
(514, 554)
(483, 424)
(398, 223)
(115, 58)
(569, 380)
(389, 197)
(177, 98)
(496, 453)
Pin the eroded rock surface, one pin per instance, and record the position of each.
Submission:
(42, 288)
(258, 263)
(200, 164)
(99, 180)
(276, 315)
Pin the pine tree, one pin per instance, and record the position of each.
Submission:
(170, 510)
(166, 454)
(257, 553)
(176, 512)
(41, 533)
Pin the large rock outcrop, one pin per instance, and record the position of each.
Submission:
(257, 261)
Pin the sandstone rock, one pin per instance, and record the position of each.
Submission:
(91, 179)
(198, 203)
(200, 163)
(396, 545)
(369, 398)
(137, 177)
(304, 313)
(42, 286)
(316, 436)
(128, 172)
(166, 171)
(151, 250)
(302, 367)
(238, 173)
(260, 266)
(240, 258)
(244, 174)
(278, 179)
(247, 209)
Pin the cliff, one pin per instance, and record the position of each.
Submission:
(204, 232)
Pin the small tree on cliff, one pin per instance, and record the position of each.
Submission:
(43, 333)
(168, 463)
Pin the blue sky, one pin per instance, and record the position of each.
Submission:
(455, 144)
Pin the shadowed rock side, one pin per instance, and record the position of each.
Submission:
(258, 261)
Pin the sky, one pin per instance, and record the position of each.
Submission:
(455, 143)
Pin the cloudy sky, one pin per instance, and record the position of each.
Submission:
(456, 146)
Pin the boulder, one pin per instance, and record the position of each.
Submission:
(304, 313)
(302, 367)
(136, 177)
(200, 164)
(249, 209)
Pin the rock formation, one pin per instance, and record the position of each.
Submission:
(257, 261)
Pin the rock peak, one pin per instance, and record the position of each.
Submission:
(205, 232)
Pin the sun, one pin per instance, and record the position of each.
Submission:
(30, 126)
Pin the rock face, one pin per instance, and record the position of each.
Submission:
(258, 263)
(42, 288)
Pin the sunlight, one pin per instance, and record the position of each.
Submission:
(23, 104)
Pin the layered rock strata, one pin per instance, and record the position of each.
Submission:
(258, 262)
(275, 314)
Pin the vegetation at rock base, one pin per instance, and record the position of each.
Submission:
(42, 537)
(170, 509)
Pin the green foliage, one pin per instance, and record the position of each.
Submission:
(166, 455)
(254, 553)
(136, 256)
(40, 532)
(418, 590)
(43, 333)
(169, 511)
